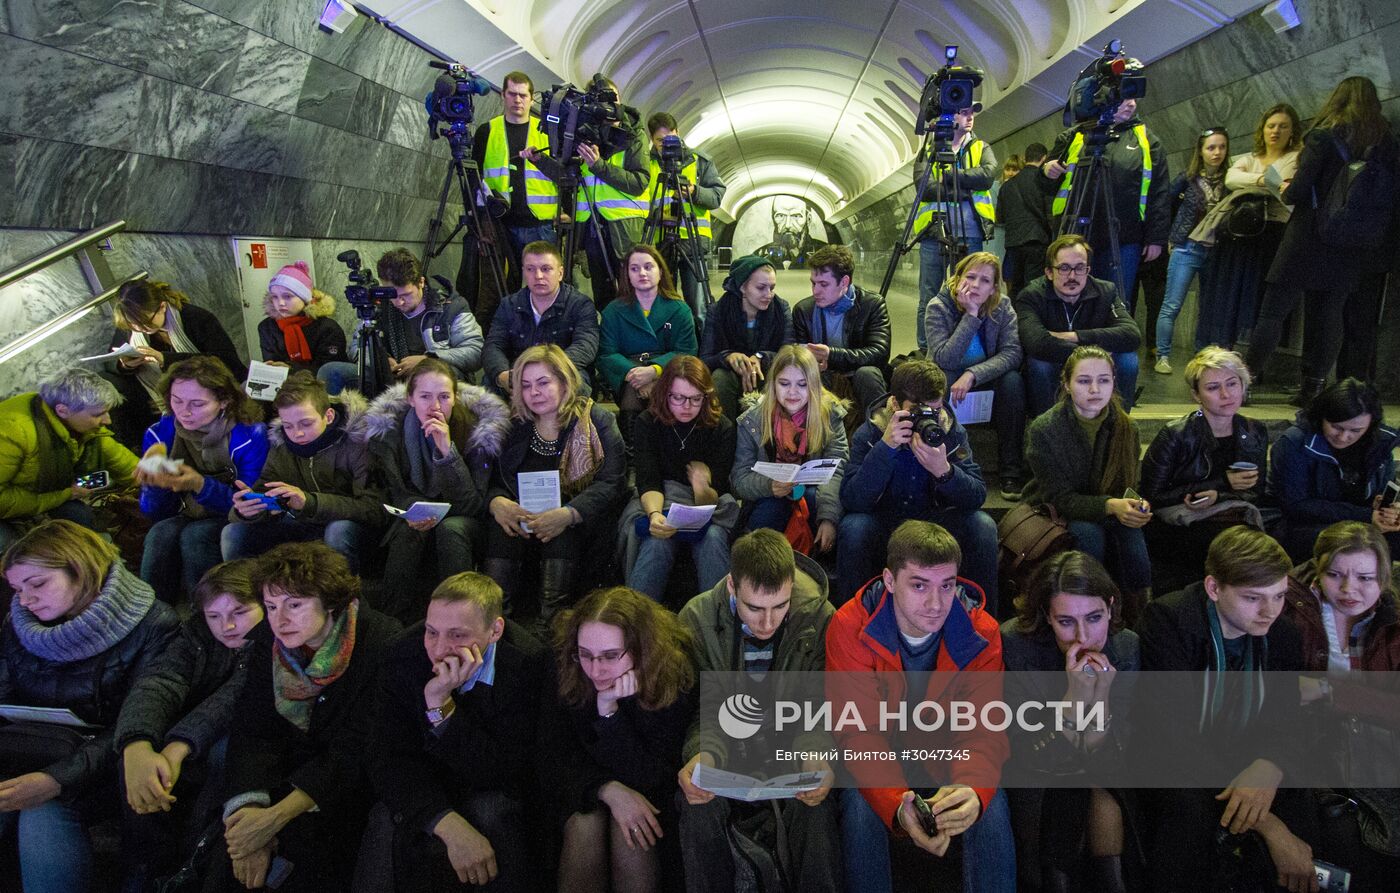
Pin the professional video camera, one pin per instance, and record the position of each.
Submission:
(947, 92)
(364, 292)
(1103, 85)
(572, 116)
(450, 107)
(366, 295)
(673, 154)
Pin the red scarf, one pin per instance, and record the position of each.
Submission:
(298, 348)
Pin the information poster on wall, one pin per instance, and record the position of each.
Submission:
(258, 260)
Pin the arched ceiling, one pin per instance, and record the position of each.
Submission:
(818, 97)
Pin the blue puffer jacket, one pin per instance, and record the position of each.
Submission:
(247, 448)
(1306, 479)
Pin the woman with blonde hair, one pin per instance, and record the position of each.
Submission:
(81, 630)
(797, 421)
(215, 432)
(973, 338)
(556, 429)
(626, 694)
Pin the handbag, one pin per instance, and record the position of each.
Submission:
(1026, 536)
(1245, 219)
(29, 746)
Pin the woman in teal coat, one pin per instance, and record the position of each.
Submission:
(647, 325)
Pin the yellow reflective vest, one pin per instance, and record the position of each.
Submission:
(702, 217)
(981, 201)
(612, 203)
(540, 192)
(1057, 207)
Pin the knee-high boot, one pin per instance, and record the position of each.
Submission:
(1107, 874)
(557, 577)
(506, 572)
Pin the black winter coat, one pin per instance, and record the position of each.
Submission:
(94, 689)
(187, 694)
(1178, 460)
(604, 495)
(267, 753)
(726, 330)
(1124, 165)
(207, 334)
(1303, 261)
(1023, 207)
(866, 327)
(489, 744)
(570, 322)
(323, 334)
(1098, 316)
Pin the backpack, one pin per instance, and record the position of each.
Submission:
(1356, 210)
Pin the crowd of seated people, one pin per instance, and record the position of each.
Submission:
(446, 636)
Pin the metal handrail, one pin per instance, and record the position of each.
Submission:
(63, 319)
(59, 252)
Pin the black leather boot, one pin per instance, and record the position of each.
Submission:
(1310, 389)
(1054, 880)
(1107, 874)
(557, 576)
(506, 572)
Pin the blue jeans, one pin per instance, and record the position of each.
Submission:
(934, 271)
(55, 854)
(989, 850)
(1182, 267)
(1043, 380)
(1008, 418)
(861, 541)
(1106, 267)
(1122, 549)
(652, 570)
(178, 552)
(520, 236)
(773, 512)
(241, 539)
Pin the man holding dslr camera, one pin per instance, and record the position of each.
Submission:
(701, 191)
(912, 461)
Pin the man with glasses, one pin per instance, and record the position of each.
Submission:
(912, 461)
(1067, 308)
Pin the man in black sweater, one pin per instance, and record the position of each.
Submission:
(1065, 309)
(453, 754)
(1023, 207)
(1235, 725)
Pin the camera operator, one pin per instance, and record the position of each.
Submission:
(617, 186)
(702, 191)
(1136, 166)
(499, 151)
(970, 180)
(427, 324)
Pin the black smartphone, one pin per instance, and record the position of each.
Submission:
(98, 480)
(926, 817)
(1392, 493)
(1197, 499)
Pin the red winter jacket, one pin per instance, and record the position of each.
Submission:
(863, 637)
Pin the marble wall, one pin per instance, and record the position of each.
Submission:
(196, 120)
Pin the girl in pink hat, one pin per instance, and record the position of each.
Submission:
(300, 330)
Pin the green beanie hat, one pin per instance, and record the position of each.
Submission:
(741, 268)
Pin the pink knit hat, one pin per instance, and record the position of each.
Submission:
(295, 278)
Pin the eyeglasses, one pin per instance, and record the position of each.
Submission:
(1066, 269)
(683, 400)
(603, 658)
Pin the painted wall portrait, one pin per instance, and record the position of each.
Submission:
(783, 228)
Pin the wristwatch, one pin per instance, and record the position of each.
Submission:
(438, 715)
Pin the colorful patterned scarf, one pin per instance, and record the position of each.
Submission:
(583, 454)
(790, 436)
(297, 682)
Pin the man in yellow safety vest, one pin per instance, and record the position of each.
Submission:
(1136, 166)
(962, 194)
(701, 192)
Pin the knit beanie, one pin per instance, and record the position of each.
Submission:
(741, 268)
(295, 278)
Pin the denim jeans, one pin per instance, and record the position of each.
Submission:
(1185, 262)
(339, 376)
(520, 236)
(861, 541)
(989, 850)
(1106, 267)
(652, 570)
(773, 512)
(352, 539)
(1008, 418)
(1122, 549)
(178, 552)
(1043, 380)
(55, 854)
(934, 270)
(709, 863)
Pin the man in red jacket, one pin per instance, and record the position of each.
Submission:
(919, 616)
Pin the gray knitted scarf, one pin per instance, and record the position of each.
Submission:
(121, 604)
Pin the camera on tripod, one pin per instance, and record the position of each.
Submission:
(672, 155)
(364, 292)
(947, 92)
(1103, 85)
(450, 106)
(572, 116)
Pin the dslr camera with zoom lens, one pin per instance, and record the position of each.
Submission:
(1103, 85)
(928, 425)
(364, 292)
(947, 92)
(571, 116)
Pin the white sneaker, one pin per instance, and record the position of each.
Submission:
(1163, 366)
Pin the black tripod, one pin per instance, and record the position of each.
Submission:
(1092, 187)
(463, 169)
(951, 235)
(674, 219)
(373, 360)
(569, 232)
